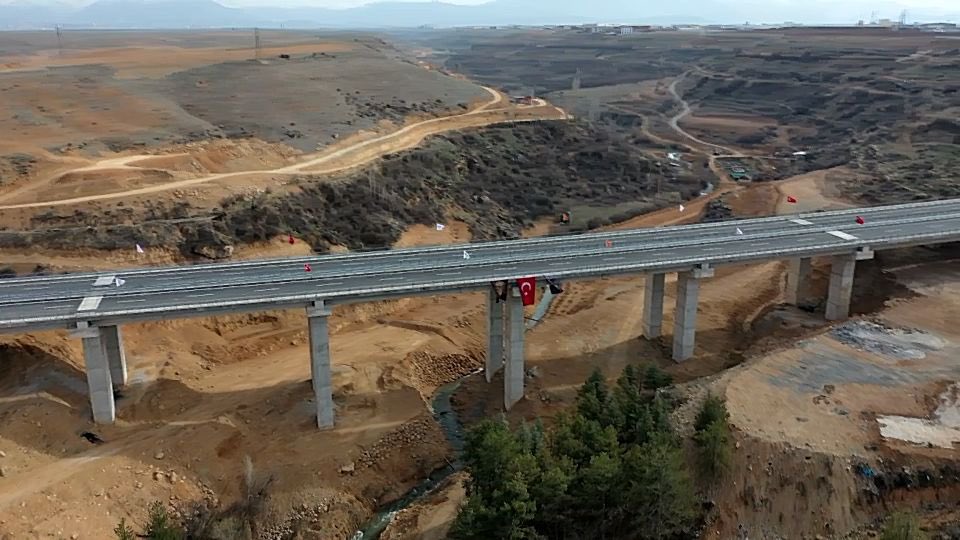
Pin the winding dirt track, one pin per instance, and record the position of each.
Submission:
(354, 155)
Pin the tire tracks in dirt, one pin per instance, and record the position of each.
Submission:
(354, 155)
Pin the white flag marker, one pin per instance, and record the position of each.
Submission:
(139, 249)
(118, 282)
(441, 226)
(465, 254)
(682, 208)
(739, 231)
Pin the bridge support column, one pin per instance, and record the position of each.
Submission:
(317, 315)
(99, 380)
(798, 291)
(494, 335)
(113, 343)
(513, 372)
(685, 314)
(653, 306)
(842, 268)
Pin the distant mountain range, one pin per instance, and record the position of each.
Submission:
(24, 14)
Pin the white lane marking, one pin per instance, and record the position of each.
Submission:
(268, 290)
(103, 281)
(89, 303)
(799, 221)
(715, 248)
(449, 274)
(52, 307)
(203, 295)
(842, 235)
(392, 279)
(33, 288)
(131, 300)
(611, 259)
(557, 263)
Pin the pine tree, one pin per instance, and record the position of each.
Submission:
(713, 409)
(159, 524)
(713, 450)
(655, 378)
(124, 531)
(629, 407)
(659, 492)
(593, 399)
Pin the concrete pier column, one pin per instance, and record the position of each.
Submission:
(798, 290)
(513, 371)
(113, 344)
(317, 315)
(653, 306)
(494, 335)
(99, 381)
(842, 268)
(685, 314)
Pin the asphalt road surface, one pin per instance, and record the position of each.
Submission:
(169, 292)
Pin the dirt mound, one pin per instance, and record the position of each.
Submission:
(429, 371)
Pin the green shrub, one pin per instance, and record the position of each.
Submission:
(902, 526)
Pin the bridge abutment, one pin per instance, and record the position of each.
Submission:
(653, 305)
(513, 369)
(495, 341)
(317, 316)
(685, 314)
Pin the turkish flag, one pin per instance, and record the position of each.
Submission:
(528, 290)
(791, 199)
(860, 220)
(306, 267)
(290, 239)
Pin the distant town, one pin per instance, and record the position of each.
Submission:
(613, 29)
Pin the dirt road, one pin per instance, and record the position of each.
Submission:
(354, 155)
(675, 119)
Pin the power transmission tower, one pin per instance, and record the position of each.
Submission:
(59, 40)
(256, 43)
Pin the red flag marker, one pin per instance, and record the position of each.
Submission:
(608, 243)
(791, 199)
(306, 267)
(860, 220)
(528, 290)
(290, 239)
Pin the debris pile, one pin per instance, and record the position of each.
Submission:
(717, 210)
(880, 339)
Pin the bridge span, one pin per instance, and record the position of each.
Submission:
(94, 305)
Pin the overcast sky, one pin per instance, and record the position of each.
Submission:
(786, 5)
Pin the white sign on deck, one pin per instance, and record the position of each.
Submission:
(103, 281)
(90, 303)
(842, 235)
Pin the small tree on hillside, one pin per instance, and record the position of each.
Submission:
(713, 450)
(713, 409)
(159, 524)
(124, 531)
(712, 439)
